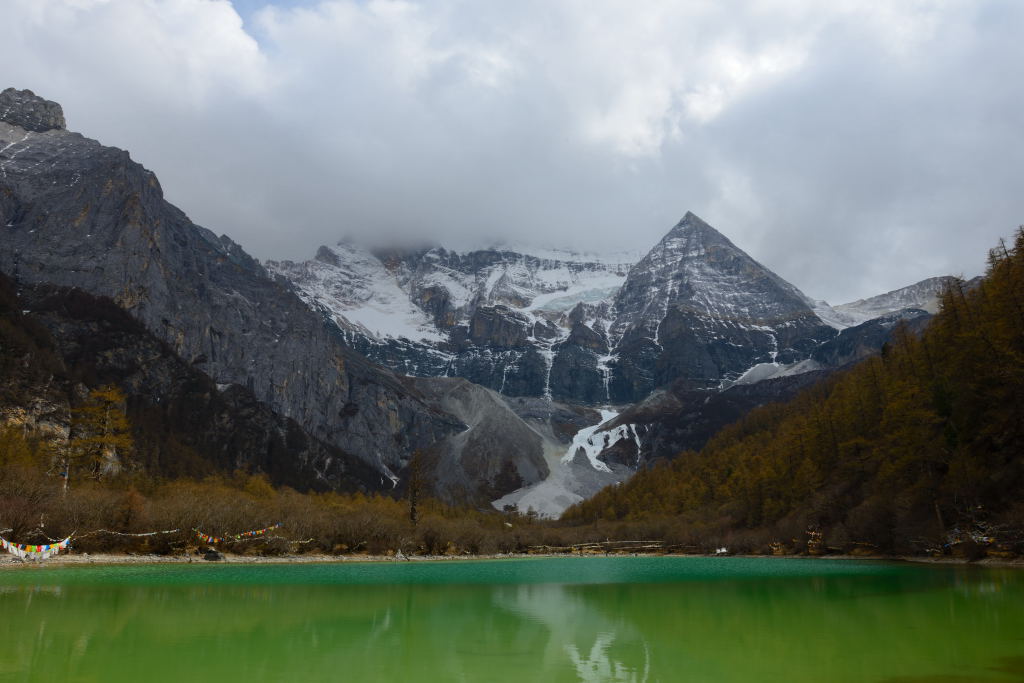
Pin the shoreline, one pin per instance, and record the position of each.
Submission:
(108, 559)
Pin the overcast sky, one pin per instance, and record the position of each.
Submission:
(853, 147)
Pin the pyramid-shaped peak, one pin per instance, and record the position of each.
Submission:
(692, 219)
(691, 222)
(692, 229)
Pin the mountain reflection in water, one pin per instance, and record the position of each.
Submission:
(662, 619)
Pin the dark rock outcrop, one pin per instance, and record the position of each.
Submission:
(681, 417)
(577, 375)
(868, 338)
(28, 111)
(587, 338)
(498, 327)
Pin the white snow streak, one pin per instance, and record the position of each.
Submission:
(593, 441)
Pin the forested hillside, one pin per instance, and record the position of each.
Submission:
(906, 451)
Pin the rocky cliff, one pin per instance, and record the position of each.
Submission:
(499, 318)
(58, 344)
(78, 214)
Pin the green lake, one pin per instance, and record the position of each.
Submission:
(567, 619)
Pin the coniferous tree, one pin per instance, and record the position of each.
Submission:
(100, 433)
(415, 484)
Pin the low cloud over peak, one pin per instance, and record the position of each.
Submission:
(852, 147)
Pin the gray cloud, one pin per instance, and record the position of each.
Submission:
(852, 147)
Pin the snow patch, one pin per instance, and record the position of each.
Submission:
(360, 293)
(604, 367)
(390, 475)
(923, 295)
(763, 371)
(549, 359)
(830, 316)
(593, 440)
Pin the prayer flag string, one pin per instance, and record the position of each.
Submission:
(244, 536)
(34, 551)
(123, 533)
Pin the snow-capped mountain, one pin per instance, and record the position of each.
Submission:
(920, 296)
(581, 329)
(561, 332)
(562, 326)
(362, 295)
(923, 295)
(696, 314)
(699, 308)
(493, 316)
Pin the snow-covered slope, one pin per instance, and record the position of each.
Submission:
(494, 316)
(765, 371)
(576, 472)
(413, 294)
(923, 295)
(698, 307)
(579, 328)
(362, 296)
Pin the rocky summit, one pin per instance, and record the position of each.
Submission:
(33, 114)
(699, 308)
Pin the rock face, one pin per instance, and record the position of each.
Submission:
(499, 318)
(31, 113)
(585, 331)
(61, 343)
(680, 417)
(78, 214)
(497, 453)
(863, 340)
(572, 330)
(699, 308)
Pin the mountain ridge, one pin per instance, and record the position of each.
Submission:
(578, 331)
(326, 342)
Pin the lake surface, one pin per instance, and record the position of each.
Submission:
(571, 619)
